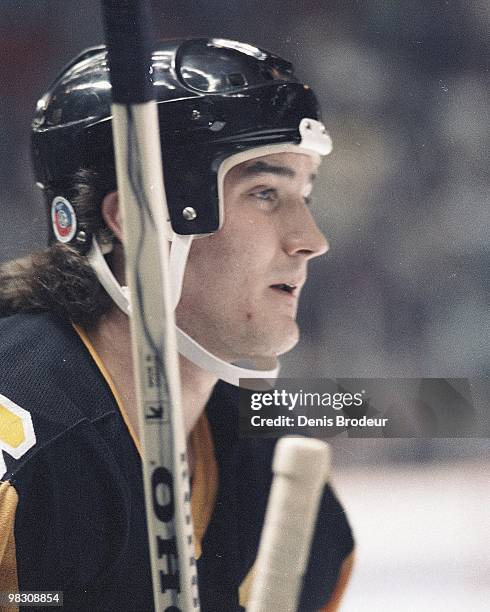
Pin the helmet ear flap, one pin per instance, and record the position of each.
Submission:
(64, 221)
(73, 219)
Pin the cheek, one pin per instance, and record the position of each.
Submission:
(231, 268)
(212, 261)
(247, 242)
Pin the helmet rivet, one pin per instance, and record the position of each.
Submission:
(189, 213)
(81, 237)
(196, 114)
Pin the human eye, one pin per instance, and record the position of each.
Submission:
(265, 198)
(268, 194)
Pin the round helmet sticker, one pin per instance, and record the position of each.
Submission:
(64, 219)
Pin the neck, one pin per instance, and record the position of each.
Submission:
(111, 340)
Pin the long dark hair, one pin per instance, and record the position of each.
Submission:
(59, 279)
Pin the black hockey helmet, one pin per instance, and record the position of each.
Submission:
(215, 98)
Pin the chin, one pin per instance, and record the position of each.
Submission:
(288, 345)
(282, 340)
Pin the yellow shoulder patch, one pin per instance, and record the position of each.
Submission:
(16, 431)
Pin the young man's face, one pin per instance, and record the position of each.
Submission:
(242, 284)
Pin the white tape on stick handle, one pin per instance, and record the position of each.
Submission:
(301, 467)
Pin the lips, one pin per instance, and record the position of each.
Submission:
(285, 287)
(289, 286)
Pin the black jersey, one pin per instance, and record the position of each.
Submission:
(80, 522)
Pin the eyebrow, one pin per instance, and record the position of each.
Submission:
(261, 167)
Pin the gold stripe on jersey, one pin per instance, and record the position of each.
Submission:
(333, 604)
(8, 560)
(107, 377)
(205, 478)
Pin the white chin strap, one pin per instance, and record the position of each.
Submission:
(187, 346)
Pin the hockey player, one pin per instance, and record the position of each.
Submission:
(241, 144)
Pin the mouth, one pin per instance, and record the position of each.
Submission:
(286, 288)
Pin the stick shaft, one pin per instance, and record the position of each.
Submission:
(142, 198)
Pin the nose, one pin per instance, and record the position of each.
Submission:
(303, 237)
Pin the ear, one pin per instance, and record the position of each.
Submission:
(111, 213)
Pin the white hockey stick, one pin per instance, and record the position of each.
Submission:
(300, 468)
(154, 349)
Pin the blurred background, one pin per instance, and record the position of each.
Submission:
(403, 200)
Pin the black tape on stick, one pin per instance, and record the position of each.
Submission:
(129, 39)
